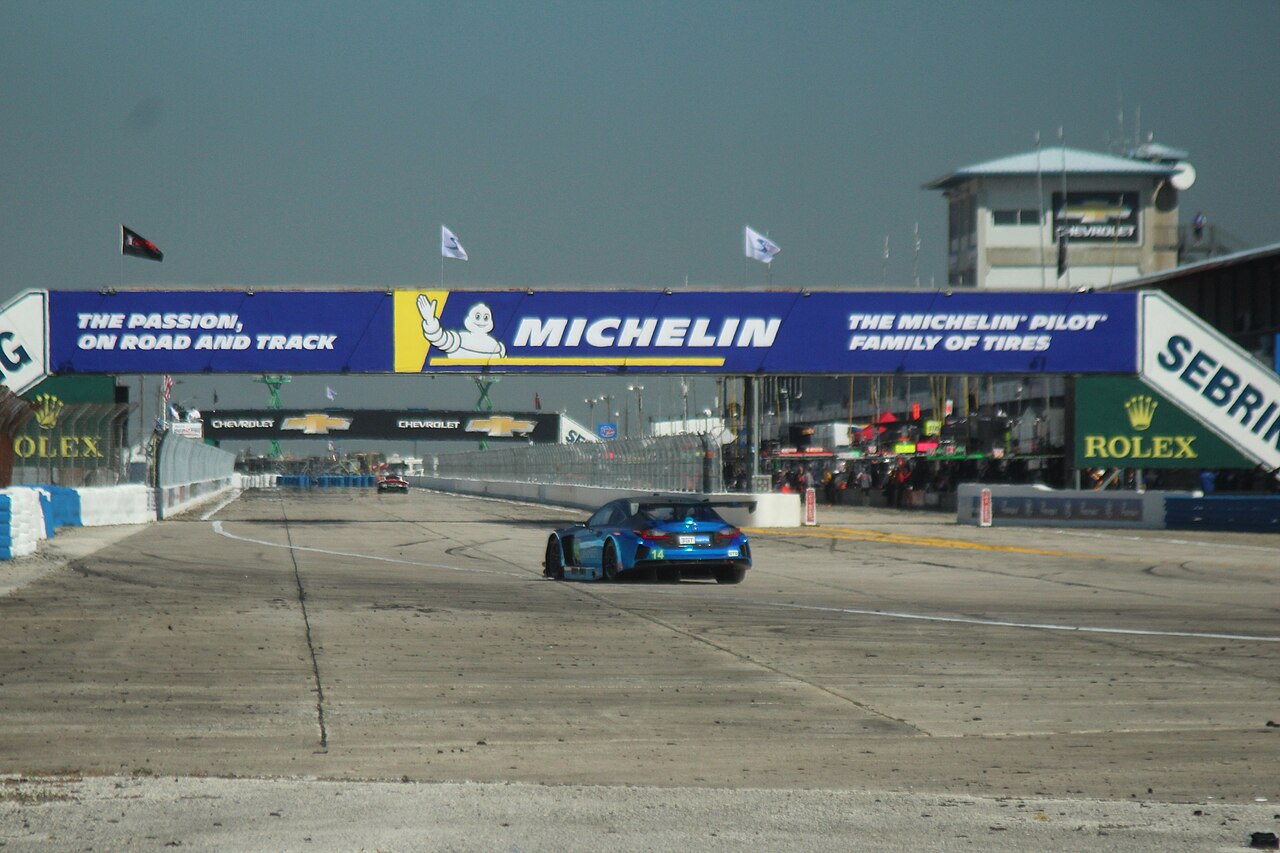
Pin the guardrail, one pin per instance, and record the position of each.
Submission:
(188, 472)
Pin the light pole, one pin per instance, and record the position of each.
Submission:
(684, 392)
(591, 411)
(639, 391)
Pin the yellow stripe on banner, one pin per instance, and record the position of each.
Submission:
(569, 361)
(410, 346)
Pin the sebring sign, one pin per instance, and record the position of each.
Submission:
(23, 360)
(1210, 377)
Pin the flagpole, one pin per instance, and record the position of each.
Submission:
(1040, 205)
(768, 276)
(1064, 245)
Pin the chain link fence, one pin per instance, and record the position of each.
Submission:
(670, 463)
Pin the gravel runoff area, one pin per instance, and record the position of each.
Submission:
(131, 813)
(147, 809)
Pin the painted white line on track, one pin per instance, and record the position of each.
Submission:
(217, 528)
(851, 611)
(1217, 546)
(999, 623)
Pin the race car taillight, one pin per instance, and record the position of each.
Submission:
(655, 535)
(726, 535)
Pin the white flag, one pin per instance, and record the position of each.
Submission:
(759, 246)
(330, 393)
(449, 245)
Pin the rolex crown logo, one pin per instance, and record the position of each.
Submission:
(1140, 410)
(48, 407)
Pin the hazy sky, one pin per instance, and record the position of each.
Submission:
(587, 142)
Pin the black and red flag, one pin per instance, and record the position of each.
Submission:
(133, 243)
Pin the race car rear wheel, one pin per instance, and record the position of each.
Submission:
(609, 562)
(731, 574)
(553, 564)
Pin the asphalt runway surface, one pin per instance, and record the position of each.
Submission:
(345, 670)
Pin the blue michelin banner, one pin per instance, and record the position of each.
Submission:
(766, 332)
(219, 332)
(712, 332)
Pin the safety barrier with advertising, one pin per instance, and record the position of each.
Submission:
(1041, 506)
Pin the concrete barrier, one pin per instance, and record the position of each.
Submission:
(772, 509)
(1041, 506)
(1257, 513)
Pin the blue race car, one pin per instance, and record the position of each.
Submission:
(663, 536)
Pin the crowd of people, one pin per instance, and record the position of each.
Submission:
(906, 481)
(886, 481)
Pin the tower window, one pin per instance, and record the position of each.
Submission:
(1025, 216)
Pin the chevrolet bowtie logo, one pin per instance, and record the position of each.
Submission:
(316, 424)
(500, 426)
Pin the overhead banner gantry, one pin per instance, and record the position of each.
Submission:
(708, 332)
(728, 333)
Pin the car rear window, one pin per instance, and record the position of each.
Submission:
(678, 512)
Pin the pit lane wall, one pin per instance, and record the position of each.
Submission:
(189, 472)
(772, 510)
(1041, 506)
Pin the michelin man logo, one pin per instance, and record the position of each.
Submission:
(473, 341)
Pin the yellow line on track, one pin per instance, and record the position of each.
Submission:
(926, 541)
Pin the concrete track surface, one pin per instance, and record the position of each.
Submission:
(350, 671)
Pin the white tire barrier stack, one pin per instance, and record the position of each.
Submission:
(110, 505)
(21, 523)
(256, 481)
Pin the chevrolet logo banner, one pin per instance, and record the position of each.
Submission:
(392, 424)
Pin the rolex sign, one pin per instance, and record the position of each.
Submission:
(1123, 423)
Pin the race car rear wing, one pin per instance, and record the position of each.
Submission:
(689, 500)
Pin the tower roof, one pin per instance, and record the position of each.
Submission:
(1053, 161)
